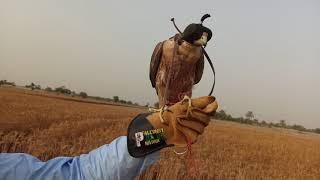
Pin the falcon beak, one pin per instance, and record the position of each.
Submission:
(204, 41)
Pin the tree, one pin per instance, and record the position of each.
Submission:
(73, 93)
(108, 99)
(221, 115)
(5, 82)
(49, 89)
(264, 123)
(63, 90)
(83, 94)
(317, 130)
(283, 123)
(33, 86)
(249, 115)
(123, 101)
(238, 119)
(37, 87)
(116, 98)
(298, 127)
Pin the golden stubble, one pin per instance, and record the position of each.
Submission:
(47, 127)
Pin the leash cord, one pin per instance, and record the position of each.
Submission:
(205, 54)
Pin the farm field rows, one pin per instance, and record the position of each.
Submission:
(47, 127)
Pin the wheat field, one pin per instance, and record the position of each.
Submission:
(47, 126)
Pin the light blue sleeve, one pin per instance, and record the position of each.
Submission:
(107, 162)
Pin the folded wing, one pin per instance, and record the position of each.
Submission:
(155, 62)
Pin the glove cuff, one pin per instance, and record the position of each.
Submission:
(142, 138)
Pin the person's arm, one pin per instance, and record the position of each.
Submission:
(107, 162)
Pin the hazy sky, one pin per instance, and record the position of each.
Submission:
(266, 53)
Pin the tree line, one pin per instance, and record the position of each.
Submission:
(5, 82)
(249, 119)
(64, 90)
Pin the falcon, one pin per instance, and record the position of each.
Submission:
(177, 63)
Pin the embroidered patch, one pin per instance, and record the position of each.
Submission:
(139, 138)
(149, 137)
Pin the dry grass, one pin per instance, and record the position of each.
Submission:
(49, 127)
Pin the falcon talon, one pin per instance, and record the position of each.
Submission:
(189, 100)
(162, 110)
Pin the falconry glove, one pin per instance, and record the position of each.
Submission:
(177, 125)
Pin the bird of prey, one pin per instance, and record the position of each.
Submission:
(177, 63)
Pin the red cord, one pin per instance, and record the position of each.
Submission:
(190, 162)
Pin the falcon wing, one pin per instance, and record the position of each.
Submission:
(199, 70)
(155, 62)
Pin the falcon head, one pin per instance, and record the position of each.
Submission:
(197, 34)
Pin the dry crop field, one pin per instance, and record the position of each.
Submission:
(47, 127)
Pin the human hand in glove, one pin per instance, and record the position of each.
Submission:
(185, 120)
(178, 125)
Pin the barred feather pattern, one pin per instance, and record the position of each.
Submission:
(183, 71)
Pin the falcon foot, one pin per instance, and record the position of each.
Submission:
(161, 111)
(187, 98)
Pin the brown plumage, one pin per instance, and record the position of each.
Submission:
(176, 65)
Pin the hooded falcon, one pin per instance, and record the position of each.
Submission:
(177, 63)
